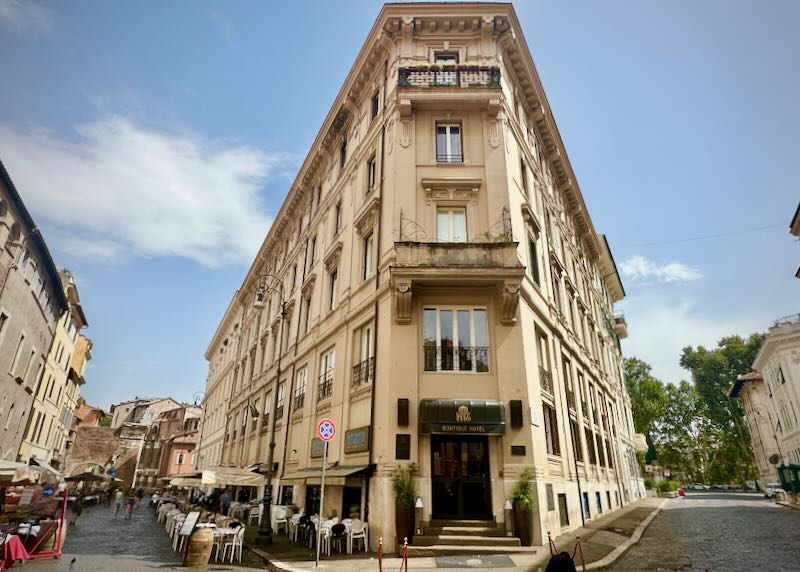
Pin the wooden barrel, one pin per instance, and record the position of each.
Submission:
(198, 549)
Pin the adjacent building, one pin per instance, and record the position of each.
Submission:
(140, 410)
(56, 396)
(32, 303)
(434, 284)
(169, 445)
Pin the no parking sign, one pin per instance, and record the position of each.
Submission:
(326, 429)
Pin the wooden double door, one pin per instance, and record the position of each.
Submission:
(461, 479)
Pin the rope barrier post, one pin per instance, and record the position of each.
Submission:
(380, 554)
(404, 561)
(583, 560)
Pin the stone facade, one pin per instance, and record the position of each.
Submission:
(433, 283)
(31, 302)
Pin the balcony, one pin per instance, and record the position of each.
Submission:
(449, 87)
(471, 264)
(364, 372)
(265, 422)
(456, 358)
(325, 389)
(545, 380)
(620, 326)
(571, 399)
(299, 401)
(279, 410)
(464, 76)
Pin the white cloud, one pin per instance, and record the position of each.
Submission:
(119, 190)
(25, 15)
(660, 328)
(640, 268)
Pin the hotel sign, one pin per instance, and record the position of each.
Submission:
(317, 448)
(356, 440)
(462, 417)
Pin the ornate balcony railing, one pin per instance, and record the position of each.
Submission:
(464, 76)
(456, 358)
(265, 422)
(545, 381)
(299, 401)
(279, 410)
(571, 399)
(364, 372)
(325, 386)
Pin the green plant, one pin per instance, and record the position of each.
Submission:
(405, 489)
(667, 486)
(522, 493)
(649, 484)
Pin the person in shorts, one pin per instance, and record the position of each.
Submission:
(130, 502)
(117, 502)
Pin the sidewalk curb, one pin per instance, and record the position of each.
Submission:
(274, 565)
(788, 505)
(622, 548)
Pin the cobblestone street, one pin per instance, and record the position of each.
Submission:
(98, 543)
(718, 532)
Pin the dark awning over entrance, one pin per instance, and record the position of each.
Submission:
(462, 417)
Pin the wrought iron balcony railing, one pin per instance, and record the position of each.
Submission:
(463, 76)
(325, 385)
(279, 410)
(571, 399)
(364, 372)
(456, 358)
(264, 422)
(299, 401)
(545, 381)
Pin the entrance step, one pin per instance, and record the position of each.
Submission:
(439, 522)
(465, 540)
(464, 531)
(439, 550)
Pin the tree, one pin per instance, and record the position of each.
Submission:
(648, 399)
(713, 371)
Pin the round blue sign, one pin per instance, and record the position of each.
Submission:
(48, 491)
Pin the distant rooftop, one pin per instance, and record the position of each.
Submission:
(786, 321)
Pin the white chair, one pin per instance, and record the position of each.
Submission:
(293, 527)
(255, 514)
(358, 532)
(234, 544)
(281, 520)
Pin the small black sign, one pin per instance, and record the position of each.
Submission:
(518, 450)
(402, 447)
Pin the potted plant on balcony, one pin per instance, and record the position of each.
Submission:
(523, 501)
(405, 494)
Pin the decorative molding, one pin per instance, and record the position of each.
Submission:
(402, 301)
(333, 255)
(368, 215)
(510, 302)
(405, 130)
(308, 287)
(530, 218)
(443, 189)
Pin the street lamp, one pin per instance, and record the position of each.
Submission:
(267, 284)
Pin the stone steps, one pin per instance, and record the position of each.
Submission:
(428, 539)
(465, 537)
(439, 550)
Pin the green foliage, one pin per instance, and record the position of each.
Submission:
(523, 491)
(648, 400)
(649, 484)
(404, 484)
(105, 421)
(667, 486)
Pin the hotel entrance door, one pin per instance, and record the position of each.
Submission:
(461, 485)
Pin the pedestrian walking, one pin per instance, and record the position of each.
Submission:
(76, 508)
(129, 504)
(118, 498)
(139, 496)
(225, 502)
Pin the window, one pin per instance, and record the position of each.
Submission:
(563, 513)
(551, 430)
(456, 339)
(254, 415)
(235, 425)
(371, 173)
(313, 252)
(265, 412)
(334, 276)
(608, 499)
(363, 371)
(586, 512)
(523, 175)
(300, 389)
(374, 104)
(279, 402)
(337, 220)
(17, 352)
(451, 224)
(326, 366)
(590, 446)
(3, 322)
(599, 501)
(180, 459)
(343, 152)
(576, 440)
(369, 242)
(780, 375)
(448, 143)
(600, 450)
(445, 58)
(534, 259)
(28, 365)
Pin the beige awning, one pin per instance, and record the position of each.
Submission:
(232, 477)
(333, 475)
(13, 473)
(185, 482)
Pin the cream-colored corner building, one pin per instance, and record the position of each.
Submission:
(751, 390)
(778, 361)
(57, 393)
(449, 301)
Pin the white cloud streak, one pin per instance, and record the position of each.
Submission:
(25, 16)
(118, 190)
(640, 268)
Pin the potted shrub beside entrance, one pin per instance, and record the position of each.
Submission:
(522, 500)
(405, 494)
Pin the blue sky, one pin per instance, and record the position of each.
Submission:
(154, 141)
